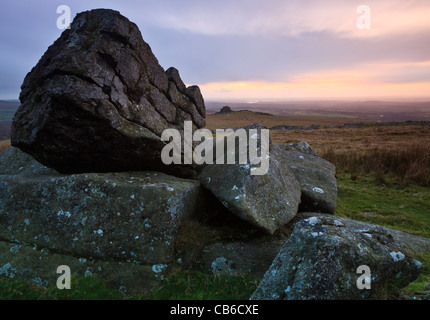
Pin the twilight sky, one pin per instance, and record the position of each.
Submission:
(249, 49)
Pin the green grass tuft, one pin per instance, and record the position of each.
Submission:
(89, 288)
(195, 285)
(400, 207)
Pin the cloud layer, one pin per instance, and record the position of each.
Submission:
(284, 44)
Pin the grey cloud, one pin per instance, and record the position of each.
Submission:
(27, 28)
(202, 59)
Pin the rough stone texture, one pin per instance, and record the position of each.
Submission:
(39, 265)
(258, 127)
(267, 201)
(415, 244)
(316, 177)
(98, 101)
(424, 294)
(120, 227)
(238, 258)
(14, 161)
(302, 147)
(320, 260)
(119, 216)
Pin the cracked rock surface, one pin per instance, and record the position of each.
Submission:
(98, 101)
(321, 258)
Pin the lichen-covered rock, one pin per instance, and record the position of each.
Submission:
(238, 258)
(321, 258)
(316, 176)
(302, 147)
(118, 216)
(14, 161)
(98, 101)
(37, 265)
(267, 201)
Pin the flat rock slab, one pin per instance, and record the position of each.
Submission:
(321, 258)
(39, 266)
(118, 216)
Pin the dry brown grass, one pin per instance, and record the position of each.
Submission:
(4, 144)
(411, 163)
(240, 119)
(399, 151)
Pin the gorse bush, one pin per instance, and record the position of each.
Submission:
(407, 164)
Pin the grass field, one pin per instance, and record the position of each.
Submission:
(383, 178)
(239, 119)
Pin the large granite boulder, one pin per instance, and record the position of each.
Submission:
(324, 258)
(118, 216)
(316, 176)
(98, 101)
(120, 226)
(267, 201)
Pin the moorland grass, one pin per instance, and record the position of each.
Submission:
(386, 185)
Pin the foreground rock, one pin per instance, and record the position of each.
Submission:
(241, 257)
(109, 216)
(39, 266)
(13, 161)
(320, 260)
(302, 147)
(266, 201)
(115, 221)
(315, 175)
(98, 101)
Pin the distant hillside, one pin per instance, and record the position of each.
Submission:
(383, 111)
(5, 130)
(7, 110)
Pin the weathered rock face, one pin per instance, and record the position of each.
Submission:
(13, 161)
(320, 261)
(267, 201)
(39, 266)
(302, 147)
(237, 258)
(98, 101)
(316, 176)
(121, 216)
(120, 226)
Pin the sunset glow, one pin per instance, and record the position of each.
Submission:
(249, 49)
(314, 87)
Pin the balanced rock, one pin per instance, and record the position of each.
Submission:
(321, 258)
(316, 176)
(98, 101)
